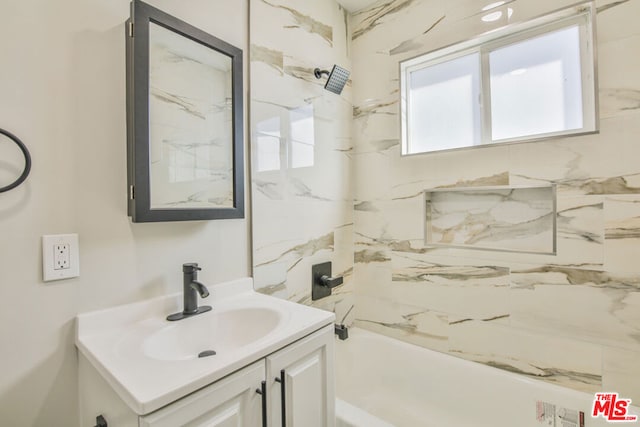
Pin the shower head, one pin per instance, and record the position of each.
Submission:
(337, 78)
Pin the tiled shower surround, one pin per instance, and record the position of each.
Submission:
(572, 318)
(301, 149)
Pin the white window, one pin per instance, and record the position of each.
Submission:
(524, 82)
(445, 112)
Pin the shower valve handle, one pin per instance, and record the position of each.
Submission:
(322, 280)
(331, 282)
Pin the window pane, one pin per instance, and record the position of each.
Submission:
(536, 86)
(444, 108)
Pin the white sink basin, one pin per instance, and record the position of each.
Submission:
(217, 330)
(151, 362)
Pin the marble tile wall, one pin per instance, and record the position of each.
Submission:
(301, 145)
(520, 219)
(572, 318)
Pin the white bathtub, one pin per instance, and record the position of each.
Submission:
(385, 382)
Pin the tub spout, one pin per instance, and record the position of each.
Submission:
(341, 331)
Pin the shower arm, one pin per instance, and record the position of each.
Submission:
(318, 73)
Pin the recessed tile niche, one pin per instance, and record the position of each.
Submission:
(513, 219)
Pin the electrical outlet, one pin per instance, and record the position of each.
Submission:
(60, 257)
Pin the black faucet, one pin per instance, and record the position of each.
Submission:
(191, 289)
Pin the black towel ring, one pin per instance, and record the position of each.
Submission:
(27, 161)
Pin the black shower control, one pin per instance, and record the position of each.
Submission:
(322, 282)
(331, 282)
(101, 422)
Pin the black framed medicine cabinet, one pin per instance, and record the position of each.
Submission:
(185, 137)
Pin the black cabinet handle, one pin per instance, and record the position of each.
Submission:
(283, 395)
(262, 391)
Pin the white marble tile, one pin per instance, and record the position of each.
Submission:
(562, 307)
(619, 77)
(620, 373)
(275, 23)
(622, 233)
(580, 234)
(484, 166)
(601, 163)
(617, 19)
(513, 219)
(291, 39)
(296, 263)
(401, 219)
(590, 305)
(289, 91)
(563, 361)
(271, 279)
(626, 309)
(423, 26)
(376, 119)
(302, 207)
(370, 229)
(370, 272)
(341, 302)
(413, 324)
(370, 24)
(384, 174)
(359, 205)
(372, 177)
(460, 288)
(374, 88)
(299, 229)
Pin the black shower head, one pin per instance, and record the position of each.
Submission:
(337, 78)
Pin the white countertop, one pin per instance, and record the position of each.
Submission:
(113, 340)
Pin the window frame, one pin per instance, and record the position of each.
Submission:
(582, 15)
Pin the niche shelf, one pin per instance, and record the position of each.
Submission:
(501, 218)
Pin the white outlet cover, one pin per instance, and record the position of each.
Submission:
(49, 242)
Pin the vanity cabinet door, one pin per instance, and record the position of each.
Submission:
(230, 402)
(302, 374)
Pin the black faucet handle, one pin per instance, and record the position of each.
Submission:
(190, 267)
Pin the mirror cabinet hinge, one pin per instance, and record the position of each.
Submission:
(130, 29)
(131, 192)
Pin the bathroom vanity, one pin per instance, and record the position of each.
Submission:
(253, 360)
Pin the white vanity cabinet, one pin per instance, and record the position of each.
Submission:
(300, 381)
(306, 366)
(232, 401)
(253, 360)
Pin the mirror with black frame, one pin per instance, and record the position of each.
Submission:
(184, 121)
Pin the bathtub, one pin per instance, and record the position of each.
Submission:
(383, 382)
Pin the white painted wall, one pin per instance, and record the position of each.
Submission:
(62, 91)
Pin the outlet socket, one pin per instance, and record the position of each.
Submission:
(60, 257)
(61, 260)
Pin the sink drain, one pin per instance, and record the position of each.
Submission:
(207, 353)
